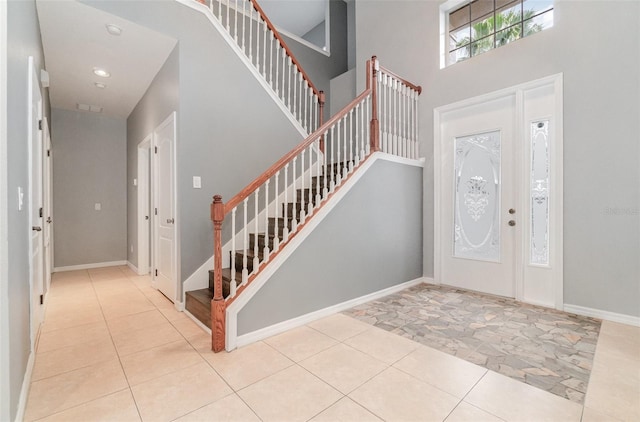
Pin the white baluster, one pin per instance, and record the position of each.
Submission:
(285, 234)
(276, 213)
(266, 222)
(304, 198)
(389, 100)
(256, 261)
(244, 16)
(345, 164)
(264, 49)
(396, 117)
(284, 73)
(245, 243)
(277, 60)
(289, 84)
(318, 169)
(325, 189)
(294, 219)
(271, 60)
(339, 170)
(295, 89)
(250, 31)
(305, 121)
(300, 97)
(311, 204)
(232, 284)
(332, 186)
(235, 25)
(219, 10)
(351, 160)
(417, 123)
(358, 138)
(368, 137)
(228, 6)
(407, 121)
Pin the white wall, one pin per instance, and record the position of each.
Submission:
(89, 167)
(596, 45)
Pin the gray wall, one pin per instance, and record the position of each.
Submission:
(343, 90)
(317, 35)
(161, 99)
(23, 40)
(371, 240)
(320, 68)
(89, 167)
(229, 129)
(601, 124)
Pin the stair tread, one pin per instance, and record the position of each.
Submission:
(226, 275)
(203, 296)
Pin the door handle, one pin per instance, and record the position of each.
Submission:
(170, 221)
(146, 217)
(36, 228)
(49, 220)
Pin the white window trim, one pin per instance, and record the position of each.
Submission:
(445, 8)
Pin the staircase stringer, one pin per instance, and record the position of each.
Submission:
(232, 341)
(199, 7)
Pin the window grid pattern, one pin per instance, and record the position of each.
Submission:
(482, 25)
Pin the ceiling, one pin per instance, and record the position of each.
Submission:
(75, 41)
(295, 16)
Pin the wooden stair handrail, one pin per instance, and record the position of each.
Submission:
(404, 81)
(287, 50)
(260, 180)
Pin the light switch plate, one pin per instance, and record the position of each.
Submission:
(20, 198)
(135, 182)
(197, 182)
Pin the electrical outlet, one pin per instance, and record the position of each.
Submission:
(97, 206)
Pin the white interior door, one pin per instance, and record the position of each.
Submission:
(477, 191)
(48, 204)
(35, 201)
(165, 250)
(498, 193)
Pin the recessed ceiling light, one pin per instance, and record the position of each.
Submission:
(113, 29)
(101, 72)
(99, 85)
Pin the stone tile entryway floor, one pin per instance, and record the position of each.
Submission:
(542, 347)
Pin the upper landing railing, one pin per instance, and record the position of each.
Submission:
(268, 53)
(271, 210)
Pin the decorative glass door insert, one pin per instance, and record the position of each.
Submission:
(477, 197)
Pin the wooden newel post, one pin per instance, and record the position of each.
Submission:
(321, 117)
(218, 303)
(375, 127)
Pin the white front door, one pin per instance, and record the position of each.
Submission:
(498, 193)
(165, 251)
(35, 201)
(478, 190)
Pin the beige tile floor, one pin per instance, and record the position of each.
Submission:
(113, 348)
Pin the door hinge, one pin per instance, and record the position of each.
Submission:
(156, 273)
(40, 124)
(156, 149)
(40, 212)
(42, 299)
(48, 153)
(156, 211)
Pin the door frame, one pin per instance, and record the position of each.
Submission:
(47, 202)
(522, 154)
(4, 214)
(172, 118)
(145, 178)
(36, 309)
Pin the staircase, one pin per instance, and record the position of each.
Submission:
(198, 302)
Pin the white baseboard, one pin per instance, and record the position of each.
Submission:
(429, 280)
(89, 266)
(280, 327)
(600, 314)
(26, 385)
(179, 306)
(134, 268)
